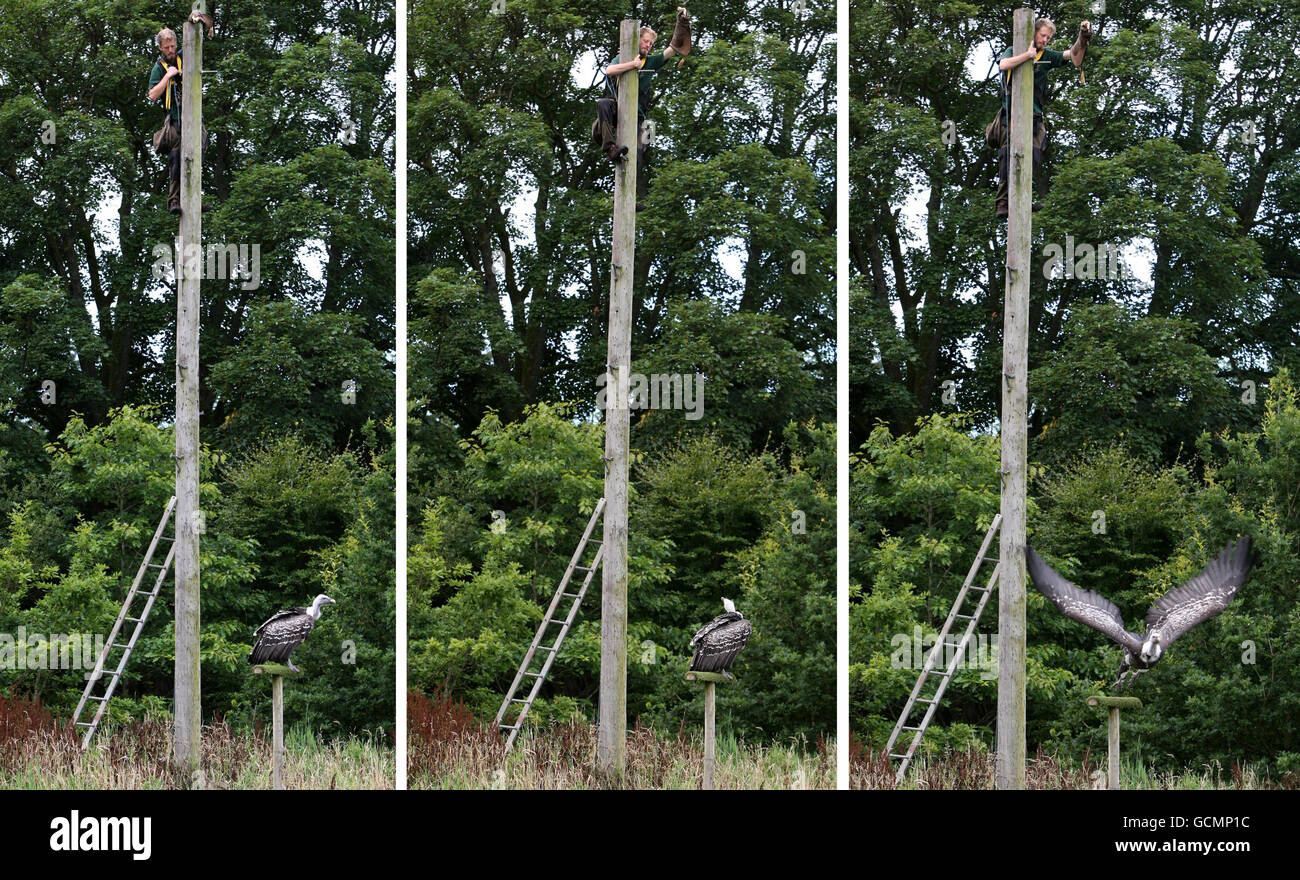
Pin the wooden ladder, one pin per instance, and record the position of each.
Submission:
(934, 658)
(547, 628)
(124, 616)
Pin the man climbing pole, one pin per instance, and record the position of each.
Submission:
(1044, 60)
(163, 89)
(606, 126)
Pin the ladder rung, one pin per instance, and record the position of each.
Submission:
(84, 723)
(966, 616)
(509, 726)
(534, 674)
(152, 565)
(892, 755)
(937, 672)
(517, 700)
(119, 645)
(582, 568)
(133, 619)
(572, 595)
(911, 728)
(922, 700)
(546, 647)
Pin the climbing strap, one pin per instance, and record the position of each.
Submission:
(180, 65)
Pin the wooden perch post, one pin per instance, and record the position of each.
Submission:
(1113, 704)
(187, 709)
(611, 739)
(710, 679)
(277, 673)
(1015, 369)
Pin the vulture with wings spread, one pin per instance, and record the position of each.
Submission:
(1196, 601)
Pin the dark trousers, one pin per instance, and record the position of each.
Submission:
(1004, 157)
(605, 132)
(174, 167)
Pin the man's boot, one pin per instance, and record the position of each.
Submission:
(173, 196)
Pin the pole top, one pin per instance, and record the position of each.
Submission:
(1116, 702)
(276, 669)
(722, 677)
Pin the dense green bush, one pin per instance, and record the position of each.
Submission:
(706, 521)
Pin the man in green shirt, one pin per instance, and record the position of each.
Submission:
(606, 129)
(1044, 60)
(165, 89)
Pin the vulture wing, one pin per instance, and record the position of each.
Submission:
(279, 615)
(725, 617)
(718, 648)
(1204, 596)
(282, 632)
(1085, 606)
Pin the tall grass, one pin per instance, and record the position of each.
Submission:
(448, 748)
(974, 769)
(38, 751)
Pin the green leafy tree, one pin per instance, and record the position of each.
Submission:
(510, 206)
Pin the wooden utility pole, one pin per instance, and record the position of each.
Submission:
(1015, 370)
(187, 711)
(611, 741)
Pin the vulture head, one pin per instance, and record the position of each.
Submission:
(316, 604)
(1151, 648)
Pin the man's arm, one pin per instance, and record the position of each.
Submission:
(1076, 52)
(156, 92)
(623, 67)
(1016, 60)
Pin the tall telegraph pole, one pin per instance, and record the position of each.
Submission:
(1015, 368)
(611, 743)
(188, 703)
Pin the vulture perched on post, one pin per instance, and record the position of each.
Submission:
(681, 41)
(720, 640)
(1196, 601)
(284, 631)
